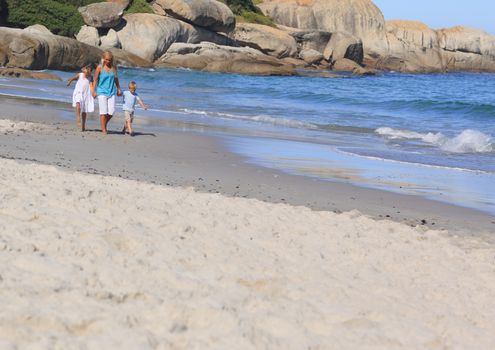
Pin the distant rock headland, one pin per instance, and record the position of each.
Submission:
(309, 37)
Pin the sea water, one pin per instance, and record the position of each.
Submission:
(424, 134)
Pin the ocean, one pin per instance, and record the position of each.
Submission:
(431, 135)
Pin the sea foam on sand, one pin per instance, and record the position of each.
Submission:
(94, 262)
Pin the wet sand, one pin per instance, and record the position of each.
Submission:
(189, 157)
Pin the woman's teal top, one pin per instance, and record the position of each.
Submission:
(106, 83)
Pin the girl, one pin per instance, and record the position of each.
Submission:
(107, 86)
(82, 99)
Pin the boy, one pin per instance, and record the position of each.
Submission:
(130, 99)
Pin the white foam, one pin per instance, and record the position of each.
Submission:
(292, 123)
(468, 141)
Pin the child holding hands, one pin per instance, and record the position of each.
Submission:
(82, 98)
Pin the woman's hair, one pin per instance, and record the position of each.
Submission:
(112, 63)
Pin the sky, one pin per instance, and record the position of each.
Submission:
(437, 14)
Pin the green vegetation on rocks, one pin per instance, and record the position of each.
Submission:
(139, 6)
(59, 16)
(247, 11)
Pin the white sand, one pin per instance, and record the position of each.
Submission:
(10, 127)
(92, 262)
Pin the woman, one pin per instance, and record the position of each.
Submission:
(107, 86)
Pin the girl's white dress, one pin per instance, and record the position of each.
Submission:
(82, 94)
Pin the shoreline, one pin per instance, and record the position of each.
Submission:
(200, 160)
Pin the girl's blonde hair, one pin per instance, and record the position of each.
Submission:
(112, 63)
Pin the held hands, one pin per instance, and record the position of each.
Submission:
(119, 92)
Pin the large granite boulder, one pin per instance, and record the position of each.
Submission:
(40, 50)
(88, 35)
(123, 3)
(37, 29)
(36, 49)
(210, 14)
(344, 45)
(110, 40)
(311, 56)
(149, 36)
(467, 49)
(361, 18)
(345, 65)
(269, 40)
(412, 47)
(310, 39)
(102, 14)
(127, 59)
(217, 58)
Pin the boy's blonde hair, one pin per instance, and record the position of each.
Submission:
(132, 85)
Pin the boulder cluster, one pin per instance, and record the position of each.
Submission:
(405, 46)
(203, 34)
(310, 36)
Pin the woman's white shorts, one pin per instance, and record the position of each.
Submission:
(106, 104)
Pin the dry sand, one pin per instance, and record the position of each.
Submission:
(99, 262)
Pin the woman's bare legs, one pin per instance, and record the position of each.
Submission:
(103, 122)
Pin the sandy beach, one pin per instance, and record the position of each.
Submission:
(116, 242)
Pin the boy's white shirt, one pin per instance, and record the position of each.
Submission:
(136, 98)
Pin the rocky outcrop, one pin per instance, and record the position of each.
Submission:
(36, 50)
(217, 58)
(310, 39)
(210, 14)
(360, 18)
(414, 47)
(29, 74)
(269, 40)
(344, 45)
(149, 36)
(39, 49)
(243, 60)
(360, 33)
(467, 49)
(102, 14)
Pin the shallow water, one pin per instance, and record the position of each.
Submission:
(431, 135)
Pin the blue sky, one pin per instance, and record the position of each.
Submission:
(443, 13)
